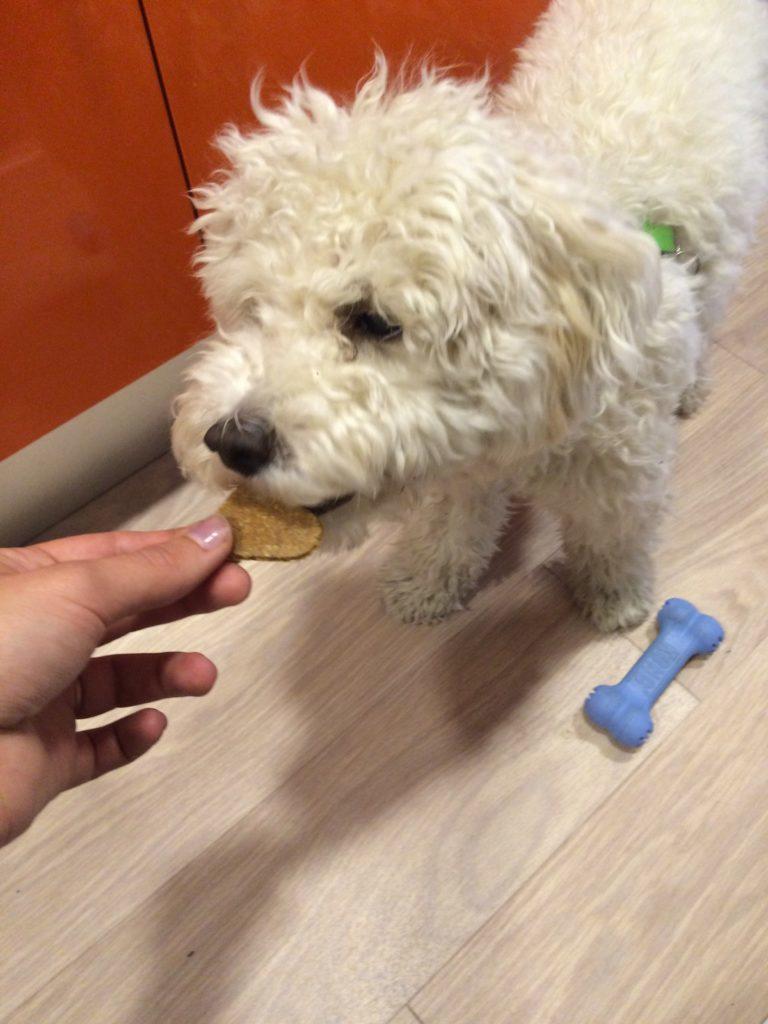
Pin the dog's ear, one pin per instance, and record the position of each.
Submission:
(597, 280)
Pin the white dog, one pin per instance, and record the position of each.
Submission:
(441, 295)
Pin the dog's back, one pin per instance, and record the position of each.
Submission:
(665, 102)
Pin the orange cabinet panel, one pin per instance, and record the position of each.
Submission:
(210, 50)
(95, 265)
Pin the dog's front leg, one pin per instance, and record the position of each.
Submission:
(609, 559)
(446, 543)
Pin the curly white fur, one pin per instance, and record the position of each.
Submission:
(546, 344)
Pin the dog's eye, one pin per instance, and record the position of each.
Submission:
(359, 324)
(375, 326)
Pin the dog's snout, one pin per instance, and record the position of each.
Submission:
(245, 445)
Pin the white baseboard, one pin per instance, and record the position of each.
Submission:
(66, 468)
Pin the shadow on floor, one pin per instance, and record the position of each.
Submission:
(228, 913)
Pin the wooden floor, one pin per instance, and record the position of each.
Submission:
(367, 823)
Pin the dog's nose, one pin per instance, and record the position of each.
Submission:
(244, 445)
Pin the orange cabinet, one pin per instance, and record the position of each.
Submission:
(210, 50)
(96, 289)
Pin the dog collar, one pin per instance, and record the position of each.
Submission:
(665, 236)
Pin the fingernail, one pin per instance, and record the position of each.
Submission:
(211, 532)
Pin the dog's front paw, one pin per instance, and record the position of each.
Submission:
(611, 601)
(422, 598)
(343, 530)
(615, 609)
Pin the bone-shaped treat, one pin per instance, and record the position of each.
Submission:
(624, 710)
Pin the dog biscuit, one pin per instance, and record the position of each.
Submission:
(268, 530)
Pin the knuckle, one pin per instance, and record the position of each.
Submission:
(77, 589)
(161, 557)
(16, 560)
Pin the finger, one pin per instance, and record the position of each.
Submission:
(152, 577)
(124, 680)
(78, 549)
(112, 746)
(228, 586)
(99, 545)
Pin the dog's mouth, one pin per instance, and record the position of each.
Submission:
(330, 505)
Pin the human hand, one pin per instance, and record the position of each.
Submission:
(59, 601)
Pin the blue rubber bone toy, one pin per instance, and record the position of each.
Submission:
(624, 710)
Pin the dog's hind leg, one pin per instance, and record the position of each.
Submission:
(445, 545)
(715, 283)
(696, 394)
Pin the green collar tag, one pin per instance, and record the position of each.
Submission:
(663, 235)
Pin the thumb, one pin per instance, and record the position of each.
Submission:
(152, 577)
